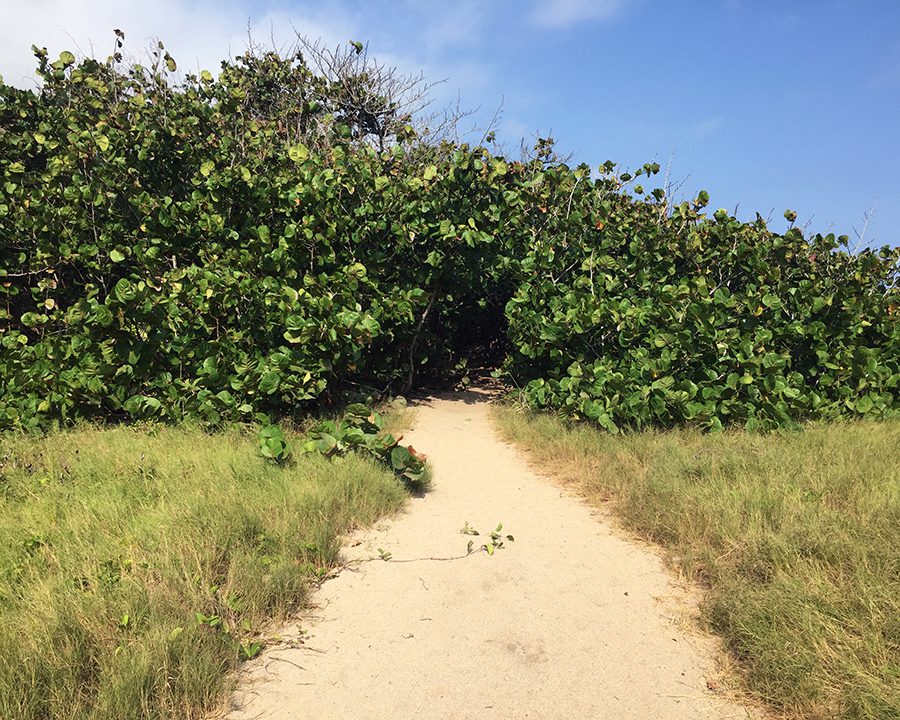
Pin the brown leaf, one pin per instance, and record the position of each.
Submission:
(417, 455)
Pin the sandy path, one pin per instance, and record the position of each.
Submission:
(570, 621)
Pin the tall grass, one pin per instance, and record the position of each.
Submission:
(137, 567)
(796, 536)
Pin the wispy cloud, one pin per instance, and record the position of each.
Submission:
(706, 127)
(889, 77)
(201, 33)
(564, 13)
(455, 25)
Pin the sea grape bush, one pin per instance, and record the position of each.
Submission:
(171, 251)
(633, 316)
(251, 244)
(273, 445)
(360, 429)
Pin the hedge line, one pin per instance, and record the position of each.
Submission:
(254, 244)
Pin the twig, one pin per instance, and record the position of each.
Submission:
(415, 341)
(860, 236)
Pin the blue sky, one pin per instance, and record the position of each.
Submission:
(767, 105)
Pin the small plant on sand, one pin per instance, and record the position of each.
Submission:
(468, 530)
(497, 540)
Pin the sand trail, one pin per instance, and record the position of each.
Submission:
(569, 621)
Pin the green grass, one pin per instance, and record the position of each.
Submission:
(135, 563)
(796, 537)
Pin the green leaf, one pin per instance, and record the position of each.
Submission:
(206, 167)
(249, 651)
(102, 142)
(298, 153)
(124, 291)
(271, 432)
(400, 457)
(269, 383)
(102, 316)
(116, 256)
(226, 397)
(864, 404)
(357, 270)
(772, 301)
(606, 421)
(358, 410)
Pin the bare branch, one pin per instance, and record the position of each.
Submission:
(861, 235)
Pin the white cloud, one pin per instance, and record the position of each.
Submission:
(441, 41)
(564, 13)
(198, 34)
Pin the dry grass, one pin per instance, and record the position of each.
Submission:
(796, 537)
(138, 566)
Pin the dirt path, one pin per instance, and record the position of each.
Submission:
(569, 621)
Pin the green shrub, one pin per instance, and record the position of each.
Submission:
(361, 430)
(255, 244)
(199, 250)
(632, 315)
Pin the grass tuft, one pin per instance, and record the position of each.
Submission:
(796, 535)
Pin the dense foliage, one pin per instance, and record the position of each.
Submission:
(636, 318)
(223, 248)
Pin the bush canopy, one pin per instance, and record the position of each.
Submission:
(263, 241)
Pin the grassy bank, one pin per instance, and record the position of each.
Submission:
(796, 536)
(137, 567)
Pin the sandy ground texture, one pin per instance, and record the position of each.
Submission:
(569, 621)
